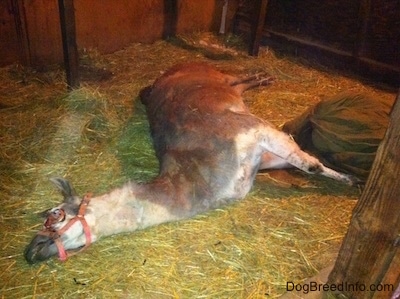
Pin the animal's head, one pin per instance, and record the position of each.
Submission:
(65, 227)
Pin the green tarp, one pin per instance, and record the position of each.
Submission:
(344, 131)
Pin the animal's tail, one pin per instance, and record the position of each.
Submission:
(260, 79)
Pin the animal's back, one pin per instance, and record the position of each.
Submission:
(188, 100)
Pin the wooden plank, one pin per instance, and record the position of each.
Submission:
(260, 11)
(13, 45)
(370, 252)
(43, 35)
(70, 49)
(21, 29)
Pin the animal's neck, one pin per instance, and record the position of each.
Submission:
(130, 208)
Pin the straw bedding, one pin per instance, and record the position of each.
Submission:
(288, 228)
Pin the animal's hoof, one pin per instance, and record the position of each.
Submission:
(355, 181)
(314, 169)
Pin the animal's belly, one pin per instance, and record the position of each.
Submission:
(241, 183)
(248, 155)
(217, 156)
(213, 176)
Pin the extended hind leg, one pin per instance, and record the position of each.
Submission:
(272, 161)
(280, 145)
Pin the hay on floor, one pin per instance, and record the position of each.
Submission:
(97, 136)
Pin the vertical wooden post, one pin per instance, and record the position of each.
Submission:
(20, 26)
(70, 49)
(363, 21)
(257, 25)
(369, 259)
(170, 18)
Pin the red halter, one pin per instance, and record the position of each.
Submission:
(56, 234)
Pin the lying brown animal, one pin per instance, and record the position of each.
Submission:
(210, 148)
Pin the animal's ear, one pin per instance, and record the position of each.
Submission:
(65, 187)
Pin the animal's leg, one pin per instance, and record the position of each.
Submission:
(271, 161)
(242, 84)
(281, 145)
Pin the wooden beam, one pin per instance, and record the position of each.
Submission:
(370, 253)
(70, 49)
(170, 18)
(257, 25)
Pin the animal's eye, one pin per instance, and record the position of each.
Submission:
(55, 216)
(56, 213)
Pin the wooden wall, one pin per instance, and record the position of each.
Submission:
(369, 29)
(30, 29)
(360, 35)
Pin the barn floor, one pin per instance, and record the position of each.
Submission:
(287, 229)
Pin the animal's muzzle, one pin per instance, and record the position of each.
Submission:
(40, 248)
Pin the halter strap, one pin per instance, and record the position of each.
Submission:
(56, 234)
